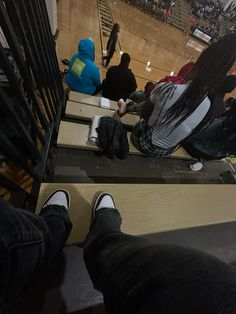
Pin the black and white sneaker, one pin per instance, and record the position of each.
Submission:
(58, 197)
(103, 200)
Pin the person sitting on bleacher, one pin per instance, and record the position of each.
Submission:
(218, 140)
(175, 112)
(83, 75)
(135, 274)
(142, 95)
(120, 81)
(180, 78)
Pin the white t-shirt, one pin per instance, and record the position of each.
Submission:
(161, 135)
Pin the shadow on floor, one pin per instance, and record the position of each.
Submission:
(35, 297)
(66, 290)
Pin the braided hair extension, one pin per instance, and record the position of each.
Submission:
(207, 74)
(163, 92)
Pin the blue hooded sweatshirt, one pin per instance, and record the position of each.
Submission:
(83, 75)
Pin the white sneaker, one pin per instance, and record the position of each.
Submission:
(196, 167)
(122, 107)
(103, 200)
(58, 197)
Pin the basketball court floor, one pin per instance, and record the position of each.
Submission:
(143, 37)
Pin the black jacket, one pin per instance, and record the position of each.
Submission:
(119, 83)
(111, 44)
(112, 138)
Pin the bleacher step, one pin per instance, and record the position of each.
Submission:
(87, 112)
(75, 135)
(148, 209)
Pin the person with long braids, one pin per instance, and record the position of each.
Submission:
(175, 112)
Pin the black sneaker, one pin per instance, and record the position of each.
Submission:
(58, 197)
(103, 200)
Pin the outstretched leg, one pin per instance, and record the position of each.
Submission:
(29, 243)
(137, 275)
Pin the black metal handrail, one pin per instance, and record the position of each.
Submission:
(31, 97)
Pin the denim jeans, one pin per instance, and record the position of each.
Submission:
(28, 245)
(137, 275)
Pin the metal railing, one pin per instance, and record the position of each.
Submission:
(31, 93)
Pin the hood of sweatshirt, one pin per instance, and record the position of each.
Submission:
(86, 48)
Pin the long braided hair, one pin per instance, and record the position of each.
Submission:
(207, 74)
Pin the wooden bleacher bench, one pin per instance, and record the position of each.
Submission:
(87, 112)
(89, 100)
(150, 208)
(75, 135)
(231, 159)
(68, 135)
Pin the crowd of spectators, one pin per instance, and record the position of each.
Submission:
(159, 9)
(211, 29)
(208, 9)
(207, 14)
(230, 12)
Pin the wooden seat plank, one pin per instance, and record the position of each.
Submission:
(150, 208)
(87, 112)
(75, 135)
(90, 100)
(232, 159)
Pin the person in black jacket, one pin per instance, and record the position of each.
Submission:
(111, 44)
(120, 81)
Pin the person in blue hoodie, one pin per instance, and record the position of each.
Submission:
(83, 75)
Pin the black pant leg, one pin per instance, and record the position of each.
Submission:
(28, 244)
(137, 275)
(58, 221)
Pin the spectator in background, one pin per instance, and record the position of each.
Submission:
(211, 11)
(120, 81)
(218, 140)
(190, 24)
(140, 96)
(83, 75)
(111, 44)
(181, 76)
(167, 14)
(179, 79)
